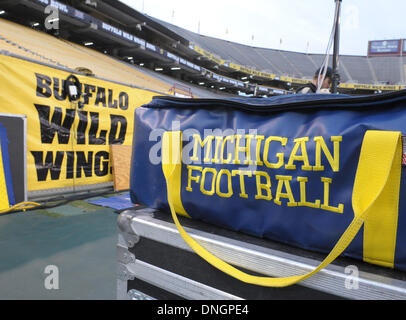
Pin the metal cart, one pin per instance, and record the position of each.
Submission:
(155, 263)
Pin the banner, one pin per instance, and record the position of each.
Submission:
(68, 145)
(385, 47)
(370, 87)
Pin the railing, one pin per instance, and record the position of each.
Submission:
(181, 90)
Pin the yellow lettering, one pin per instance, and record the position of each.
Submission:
(191, 178)
(279, 164)
(284, 181)
(229, 184)
(299, 142)
(229, 155)
(325, 205)
(208, 140)
(242, 173)
(211, 191)
(333, 161)
(219, 139)
(263, 186)
(258, 161)
(246, 149)
(303, 202)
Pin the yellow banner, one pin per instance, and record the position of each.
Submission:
(371, 87)
(209, 55)
(252, 72)
(68, 145)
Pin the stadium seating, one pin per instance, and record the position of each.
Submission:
(358, 68)
(353, 69)
(388, 69)
(48, 49)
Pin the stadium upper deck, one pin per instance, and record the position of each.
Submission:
(353, 69)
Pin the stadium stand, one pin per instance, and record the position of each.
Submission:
(125, 38)
(355, 69)
(358, 68)
(45, 48)
(72, 56)
(387, 69)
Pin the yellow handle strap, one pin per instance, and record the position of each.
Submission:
(4, 200)
(379, 165)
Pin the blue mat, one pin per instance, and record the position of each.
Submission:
(119, 202)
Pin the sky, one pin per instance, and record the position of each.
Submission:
(294, 25)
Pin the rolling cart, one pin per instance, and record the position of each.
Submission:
(153, 262)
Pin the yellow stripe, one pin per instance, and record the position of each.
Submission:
(368, 190)
(380, 225)
(4, 202)
(171, 160)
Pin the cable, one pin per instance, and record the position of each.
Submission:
(30, 206)
(22, 206)
(327, 57)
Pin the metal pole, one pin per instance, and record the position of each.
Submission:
(336, 49)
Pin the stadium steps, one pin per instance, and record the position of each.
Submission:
(387, 69)
(358, 68)
(402, 69)
(312, 61)
(277, 59)
(303, 63)
(251, 56)
(293, 66)
(268, 63)
(11, 46)
(345, 75)
(45, 48)
(226, 51)
(371, 68)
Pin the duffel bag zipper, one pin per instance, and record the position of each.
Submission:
(318, 103)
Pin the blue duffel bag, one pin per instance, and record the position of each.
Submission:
(320, 172)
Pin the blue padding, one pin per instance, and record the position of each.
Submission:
(116, 202)
(6, 165)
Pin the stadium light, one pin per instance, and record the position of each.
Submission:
(88, 44)
(159, 69)
(244, 78)
(141, 64)
(35, 24)
(175, 68)
(201, 83)
(2, 12)
(222, 88)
